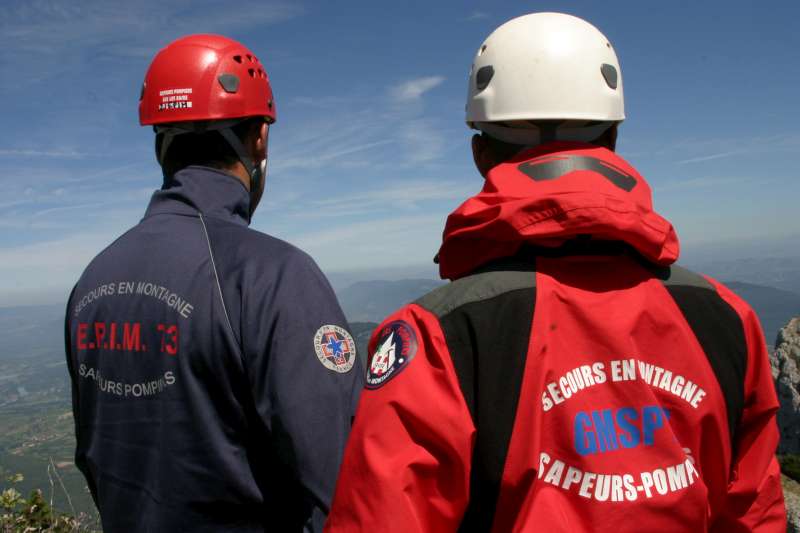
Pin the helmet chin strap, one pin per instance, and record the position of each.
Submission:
(256, 172)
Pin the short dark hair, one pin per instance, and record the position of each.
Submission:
(208, 149)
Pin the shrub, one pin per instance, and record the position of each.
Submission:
(33, 514)
(790, 465)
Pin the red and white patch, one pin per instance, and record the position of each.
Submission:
(396, 347)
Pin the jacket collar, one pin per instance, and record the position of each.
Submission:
(205, 190)
(548, 196)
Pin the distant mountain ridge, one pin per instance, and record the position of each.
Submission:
(768, 271)
(774, 307)
(372, 301)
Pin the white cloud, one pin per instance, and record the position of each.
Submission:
(709, 157)
(476, 15)
(58, 262)
(695, 150)
(716, 182)
(66, 154)
(699, 183)
(424, 141)
(360, 132)
(310, 161)
(390, 242)
(61, 209)
(414, 89)
(406, 194)
(88, 32)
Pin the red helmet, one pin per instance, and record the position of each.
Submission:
(205, 77)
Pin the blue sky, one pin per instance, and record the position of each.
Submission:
(370, 151)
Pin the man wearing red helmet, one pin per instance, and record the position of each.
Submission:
(571, 377)
(213, 376)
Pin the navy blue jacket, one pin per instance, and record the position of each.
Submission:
(214, 380)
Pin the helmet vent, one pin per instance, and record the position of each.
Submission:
(483, 77)
(238, 59)
(249, 58)
(229, 82)
(252, 72)
(482, 50)
(610, 74)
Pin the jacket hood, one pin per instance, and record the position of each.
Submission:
(549, 195)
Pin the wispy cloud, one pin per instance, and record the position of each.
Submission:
(423, 139)
(414, 89)
(61, 209)
(91, 32)
(312, 161)
(700, 183)
(710, 157)
(357, 132)
(406, 193)
(726, 183)
(477, 15)
(59, 261)
(394, 241)
(695, 150)
(407, 196)
(66, 154)
(349, 154)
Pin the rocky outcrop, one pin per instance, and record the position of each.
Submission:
(791, 493)
(785, 362)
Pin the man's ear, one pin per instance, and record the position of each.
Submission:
(259, 141)
(482, 155)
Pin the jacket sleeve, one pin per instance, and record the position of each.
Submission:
(755, 497)
(407, 465)
(80, 450)
(306, 404)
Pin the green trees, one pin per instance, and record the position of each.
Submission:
(34, 514)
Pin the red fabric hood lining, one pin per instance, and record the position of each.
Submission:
(513, 209)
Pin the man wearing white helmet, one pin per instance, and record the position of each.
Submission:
(570, 378)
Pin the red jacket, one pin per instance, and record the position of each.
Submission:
(569, 379)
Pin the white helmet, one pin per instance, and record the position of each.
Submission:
(545, 67)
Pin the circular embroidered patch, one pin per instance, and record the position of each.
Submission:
(396, 346)
(335, 348)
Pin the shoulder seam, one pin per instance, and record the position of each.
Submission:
(216, 278)
(678, 276)
(475, 288)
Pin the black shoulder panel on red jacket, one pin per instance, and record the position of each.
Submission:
(486, 319)
(718, 329)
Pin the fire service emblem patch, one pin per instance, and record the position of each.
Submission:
(396, 347)
(335, 348)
